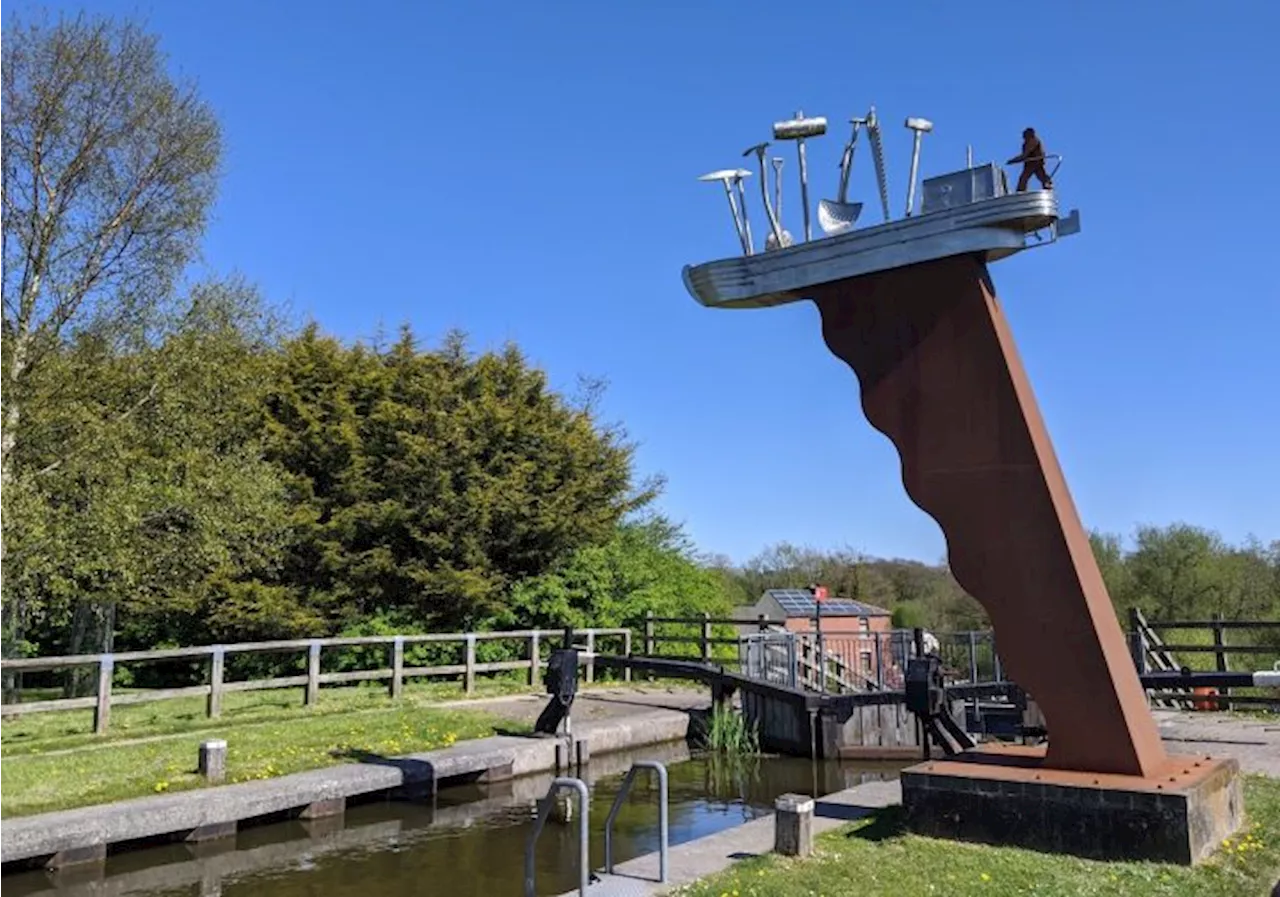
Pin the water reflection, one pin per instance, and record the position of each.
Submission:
(468, 841)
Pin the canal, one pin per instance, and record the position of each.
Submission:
(468, 841)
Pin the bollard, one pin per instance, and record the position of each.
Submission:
(213, 760)
(793, 825)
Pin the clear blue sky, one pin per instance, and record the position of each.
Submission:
(526, 171)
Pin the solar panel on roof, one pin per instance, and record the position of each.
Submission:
(800, 602)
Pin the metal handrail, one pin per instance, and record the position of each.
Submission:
(544, 810)
(661, 770)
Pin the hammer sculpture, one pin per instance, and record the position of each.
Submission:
(798, 129)
(920, 126)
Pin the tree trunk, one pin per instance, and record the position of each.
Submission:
(74, 683)
(92, 632)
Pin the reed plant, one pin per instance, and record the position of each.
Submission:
(728, 733)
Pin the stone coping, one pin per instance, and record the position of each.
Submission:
(701, 857)
(88, 830)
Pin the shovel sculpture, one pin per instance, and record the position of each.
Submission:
(835, 216)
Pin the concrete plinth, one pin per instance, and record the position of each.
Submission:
(1005, 796)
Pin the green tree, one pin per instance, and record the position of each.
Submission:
(649, 565)
(144, 487)
(439, 480)
(109, 168)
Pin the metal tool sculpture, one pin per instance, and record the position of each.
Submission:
(839, 215)
(731, 178)
(982, 191)
(920, 126)
(798, 129)
(877, 157)
(787, 240)
(778, 162)
(774, 227)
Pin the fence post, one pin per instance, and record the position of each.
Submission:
(217, 668)
(534, 650)
(706, 637)
(648, 637)
(397, 667)
(102, 712)
(1220, 655)
(469, 676)
(591, 650)
(313, 674)
(626, 651)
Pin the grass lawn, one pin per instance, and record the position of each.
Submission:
(875, 857)
(51, 763)
(63, 729)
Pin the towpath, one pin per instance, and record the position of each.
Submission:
(1254, 741)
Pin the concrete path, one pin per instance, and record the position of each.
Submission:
(1255, 742)
(595, 704)
(697, 859)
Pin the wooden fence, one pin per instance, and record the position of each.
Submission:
(699, 633)
(217, 686)
(657, 632)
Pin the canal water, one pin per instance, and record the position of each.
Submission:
(467, 841)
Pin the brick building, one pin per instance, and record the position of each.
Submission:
(854, 631)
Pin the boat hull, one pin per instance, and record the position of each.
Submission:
(992, 229)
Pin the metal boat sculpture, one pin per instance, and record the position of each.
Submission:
(970, 211)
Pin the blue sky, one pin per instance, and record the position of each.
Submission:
(527, 172)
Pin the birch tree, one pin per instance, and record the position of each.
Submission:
(109, 169)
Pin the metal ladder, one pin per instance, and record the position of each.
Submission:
(584, 829)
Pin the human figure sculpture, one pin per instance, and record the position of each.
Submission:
(1032, 159)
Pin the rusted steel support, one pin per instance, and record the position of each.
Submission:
(940, 376)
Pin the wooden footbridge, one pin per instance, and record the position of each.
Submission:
(801, 722)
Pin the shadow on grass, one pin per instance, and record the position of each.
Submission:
(884, 823)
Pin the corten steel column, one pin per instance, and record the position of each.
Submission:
(941, 377)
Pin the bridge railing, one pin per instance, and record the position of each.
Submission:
(1217, 645)
(819, 658)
